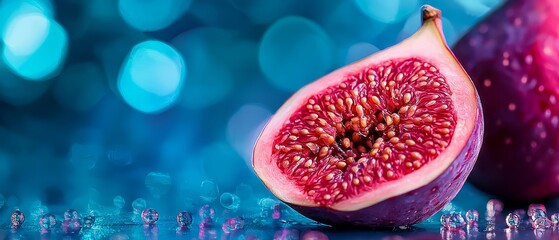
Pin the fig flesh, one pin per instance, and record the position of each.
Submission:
(512, 57)
(386, 141)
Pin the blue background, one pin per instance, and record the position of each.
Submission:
(146, 99)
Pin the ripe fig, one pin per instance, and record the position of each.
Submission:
(512, 57)
(386, 141)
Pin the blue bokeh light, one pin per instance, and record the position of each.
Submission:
(263, 11)
(152, 15)
(244, 126)
(209, 80)
(152, 76)
(295, 51)
(359, 51)
(34, 46)
(17, 91)
(387, 11)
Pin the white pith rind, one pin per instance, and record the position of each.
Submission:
(463, 97)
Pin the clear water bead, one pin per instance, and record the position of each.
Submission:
(230, 201)
(541, 223)
(119, 202)
(184, 219)
(554, 219)
(71, 226)
(535, 206)
(538, 213)
(472, 216)
(209, 191)
(456, 220)
(233, 224)
(444, 220)
(150, 216)
(207, 212)
(139, 205)
(88, 221)
(71, 214)
(513, 220)
(47, 221)
(18, 218)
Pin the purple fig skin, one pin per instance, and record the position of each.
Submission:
(512, 57)
(414, 206)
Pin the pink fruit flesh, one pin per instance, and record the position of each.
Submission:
(386, 141)
(512, 56)
(377, 126)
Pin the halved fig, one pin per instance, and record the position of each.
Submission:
(386, 141)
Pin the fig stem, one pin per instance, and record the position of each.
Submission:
(428, 12)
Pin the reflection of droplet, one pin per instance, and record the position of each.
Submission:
(151, 76)
(152, 15)
(34, 46)
(295, 51)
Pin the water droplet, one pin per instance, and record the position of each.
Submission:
(233, 224)
(209, 191)
(281, 46)
(88, 221)
(533, 207)
(230, 201)
(158, 184)
(17, 218)
(139, 205)
(444, 220)
(119, 202)
(513, 220)
(456, 220)
(472, 216)
(541, 223)
(184, 219)
(47, 222)
(538, 213)
(554, 219)
(150, 216)
(151, 77)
